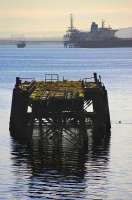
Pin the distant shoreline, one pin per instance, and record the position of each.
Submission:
(29, 42)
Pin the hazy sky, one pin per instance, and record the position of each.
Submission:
(50, 17)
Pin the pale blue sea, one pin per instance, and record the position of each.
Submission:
(39, 171)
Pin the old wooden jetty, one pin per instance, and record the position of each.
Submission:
(54, 104)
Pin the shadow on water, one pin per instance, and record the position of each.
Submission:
(47, 169)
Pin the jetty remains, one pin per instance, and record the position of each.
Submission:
(55, 106)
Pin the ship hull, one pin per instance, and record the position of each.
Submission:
(21, 45)
(116, 43)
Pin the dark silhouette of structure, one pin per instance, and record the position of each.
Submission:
(60, 109)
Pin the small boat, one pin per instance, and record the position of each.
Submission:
(21, 44)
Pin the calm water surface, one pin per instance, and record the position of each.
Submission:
(40, 170)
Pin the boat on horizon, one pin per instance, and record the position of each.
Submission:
(21, 44)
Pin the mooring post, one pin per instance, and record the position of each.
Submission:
(95, 77)
(18, 81)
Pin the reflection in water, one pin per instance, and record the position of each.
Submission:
(47, 170)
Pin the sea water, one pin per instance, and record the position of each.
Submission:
(41, 171)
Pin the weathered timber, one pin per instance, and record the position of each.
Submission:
(59, 105)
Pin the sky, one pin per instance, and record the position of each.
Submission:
(51, 17)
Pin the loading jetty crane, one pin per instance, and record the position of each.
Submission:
(59, 105)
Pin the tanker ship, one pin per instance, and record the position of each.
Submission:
(97, 37)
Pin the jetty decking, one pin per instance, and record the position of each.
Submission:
(56, 103)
